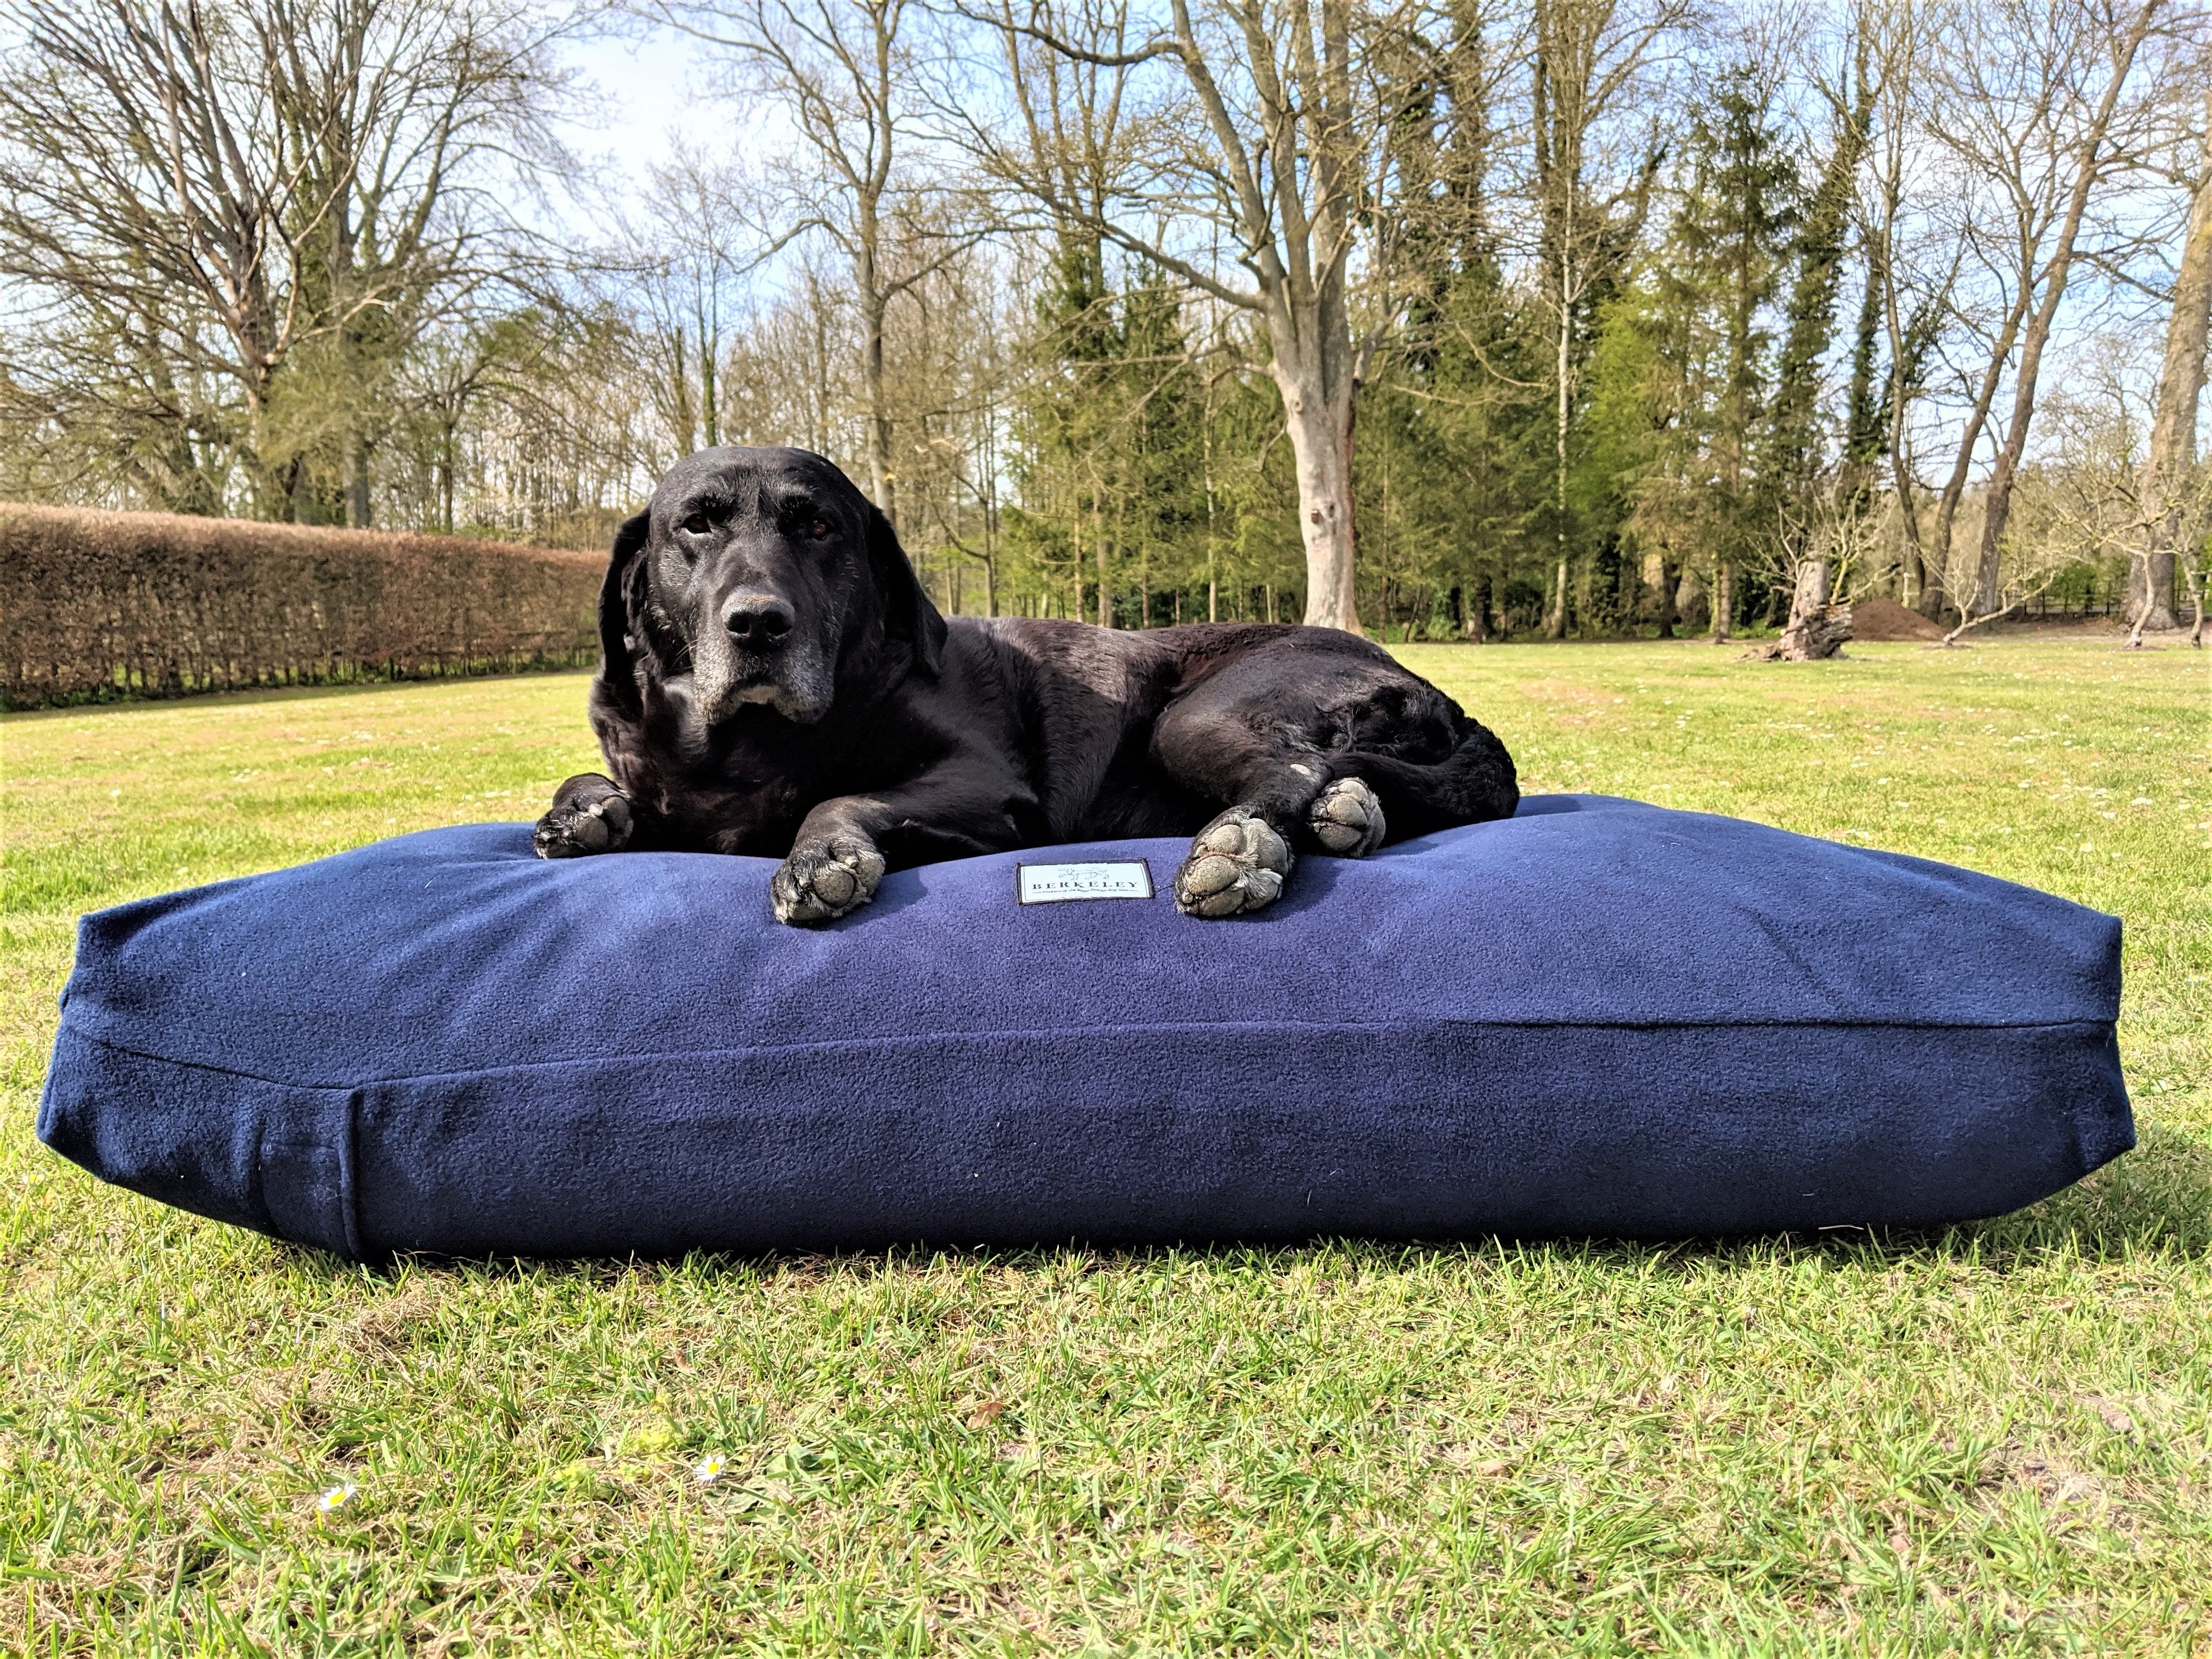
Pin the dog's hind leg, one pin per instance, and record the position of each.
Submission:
(1347, 818)
(590, 814)
(1475, 783)
(1239, 860)
(1279, 790)
(1327, 744)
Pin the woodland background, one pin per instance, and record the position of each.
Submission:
(1610, 316)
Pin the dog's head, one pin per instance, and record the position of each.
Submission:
(760, 577)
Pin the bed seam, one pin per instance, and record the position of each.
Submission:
(1301, 1028)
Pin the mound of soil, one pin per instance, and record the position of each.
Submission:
(1878, 618)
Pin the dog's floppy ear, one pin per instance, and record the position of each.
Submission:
(907, 613)
(616, 649)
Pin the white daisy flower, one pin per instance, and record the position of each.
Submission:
(335, 1499)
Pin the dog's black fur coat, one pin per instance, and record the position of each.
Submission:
(774, 681)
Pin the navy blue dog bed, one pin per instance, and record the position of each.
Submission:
(1598, 1018)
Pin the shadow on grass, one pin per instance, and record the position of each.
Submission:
(2157, 1198)
(2155, 1201)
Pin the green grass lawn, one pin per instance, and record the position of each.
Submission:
(1996, 1438)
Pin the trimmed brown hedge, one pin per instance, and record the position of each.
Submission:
(98, 605)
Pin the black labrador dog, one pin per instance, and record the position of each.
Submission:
(774, 681)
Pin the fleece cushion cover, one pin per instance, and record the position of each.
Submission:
(1598, 1018)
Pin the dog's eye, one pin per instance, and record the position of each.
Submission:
(820, 529)
(697, 525)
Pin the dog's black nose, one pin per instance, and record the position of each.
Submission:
(757, 619)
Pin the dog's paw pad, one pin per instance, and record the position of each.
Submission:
(580, 827)
(820, 883)
(1236, 865)
(1346, 819)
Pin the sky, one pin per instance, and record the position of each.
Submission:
(654, 85)
(647, 82)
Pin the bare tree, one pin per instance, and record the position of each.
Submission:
(561, 441)
(1899, 41)
(949, 361)
(2172, 460)
(2124, 33)
(845, 73)
(457, 368)
(2028, 129)
(1078, 126)
(2088, 500)
(685, 258)
(788, 371)
(199, 189)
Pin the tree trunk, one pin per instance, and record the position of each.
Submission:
(1556, 628)
(1212, 586)
(1319, 420)
(450, 449)
(1105, 591)
(2180, 386)
(1691, 604)
(881, 484)
(1864, 437)
(1970, 437)
(1723, 600)
(1820, 634)
(710, 342)
(355, 474)
(1817, 628)
(1927, 584)
(684, 418)
(1915, 576)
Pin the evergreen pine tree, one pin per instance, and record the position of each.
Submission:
(1715, 288)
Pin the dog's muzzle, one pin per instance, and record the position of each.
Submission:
(757, 621)
(758, 656)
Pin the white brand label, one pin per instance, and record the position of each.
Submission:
(1049, 883)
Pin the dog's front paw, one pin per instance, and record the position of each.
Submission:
(1346, 819)
(821, 883)
(1235, 866)
(587, 825)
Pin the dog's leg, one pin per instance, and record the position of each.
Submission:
(1238, 862)
(966, 805)
(1346, 819)
(1236, 866)
(1281, 786)
(829, 877)
(589, 814)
